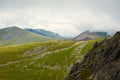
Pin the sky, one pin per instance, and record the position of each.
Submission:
(66, 17)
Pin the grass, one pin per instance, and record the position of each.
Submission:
(89, 45)
(16, 52)
(20, 36)
(54, 66)
(51, 67)
(85, 73)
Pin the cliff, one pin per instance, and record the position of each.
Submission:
(102, 62)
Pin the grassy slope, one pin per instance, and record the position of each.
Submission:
(30, 69)
(19, 36)
(89, 45)
(15, 52)
(54, 66)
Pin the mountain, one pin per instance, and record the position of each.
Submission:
(102, 62)
(44, 33)
(90, 35)
(15, 35)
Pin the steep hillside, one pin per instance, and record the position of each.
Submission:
(15, 35)
(44, 33)
(90, 35)
(102, 62)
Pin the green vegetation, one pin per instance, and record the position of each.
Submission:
(15, 35)
(16, 52)
(85, 73)
(89, 45)
(60, 44)
(53, 66)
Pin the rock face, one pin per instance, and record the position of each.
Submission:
(90, 35)
(102, 62)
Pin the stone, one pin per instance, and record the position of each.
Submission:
(100, 63)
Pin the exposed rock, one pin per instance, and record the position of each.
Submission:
(36, 51)
(100, 63)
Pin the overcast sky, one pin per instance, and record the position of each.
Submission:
(66, 17)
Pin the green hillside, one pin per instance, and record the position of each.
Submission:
(16, 52)
(53, 63)
(15, 35)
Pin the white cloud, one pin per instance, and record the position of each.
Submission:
(66, 17)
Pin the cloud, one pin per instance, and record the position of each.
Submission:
(66, 17)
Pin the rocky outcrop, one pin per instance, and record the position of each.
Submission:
(102, 62)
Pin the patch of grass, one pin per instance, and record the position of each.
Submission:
(85, 73)
(89, 46)
(60, 44)
(15, 52)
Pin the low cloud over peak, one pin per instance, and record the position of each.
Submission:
(66, 17)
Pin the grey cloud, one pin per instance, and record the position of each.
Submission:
(109, 7)
(79, 14)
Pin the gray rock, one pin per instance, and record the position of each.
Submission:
(100, 63)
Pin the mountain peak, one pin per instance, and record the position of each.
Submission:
(87, 35)
(12, 27)
(15, 35)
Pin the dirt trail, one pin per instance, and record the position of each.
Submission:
(49, 52)
(56, 67)
(41, 55)
(11, 62)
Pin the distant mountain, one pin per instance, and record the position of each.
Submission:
(44, 33)
(15, 35)
(90, 35)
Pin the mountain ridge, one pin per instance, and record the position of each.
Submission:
(44, 33)
(16, 35)
(87, 35)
